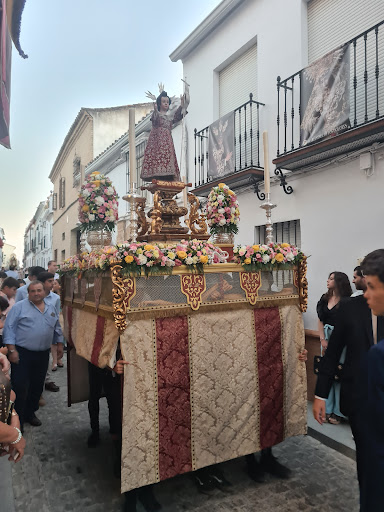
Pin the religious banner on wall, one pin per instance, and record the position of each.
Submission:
(221, 149)
(325, 93)
(5, 76)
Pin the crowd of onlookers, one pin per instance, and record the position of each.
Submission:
(350, 383)
(30, 334)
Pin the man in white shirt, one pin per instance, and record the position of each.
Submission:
(52, 268)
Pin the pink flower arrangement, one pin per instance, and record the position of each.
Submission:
(98, 203)
(223, 210)
(258, 257)
(139, 257)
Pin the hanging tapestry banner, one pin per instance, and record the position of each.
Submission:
(5, 76)
(221, 149)
(324, 100)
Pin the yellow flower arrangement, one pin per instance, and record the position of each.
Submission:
(181, 255)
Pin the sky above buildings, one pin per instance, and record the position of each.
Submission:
(82, 53)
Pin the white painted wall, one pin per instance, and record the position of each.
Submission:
(110, 124)
(280, 30)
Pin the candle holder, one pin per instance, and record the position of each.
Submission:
(268, 206)
(132, 223)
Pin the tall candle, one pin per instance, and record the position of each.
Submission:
(267, 183)
(184, 191)
(132, 147)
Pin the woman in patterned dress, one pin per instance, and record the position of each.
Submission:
(160, 158)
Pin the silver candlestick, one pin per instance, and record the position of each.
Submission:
(267, 206)
(132, 223)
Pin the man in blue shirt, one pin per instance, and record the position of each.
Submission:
(31, 327)
(22, 292)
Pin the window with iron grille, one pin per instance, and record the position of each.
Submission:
(287, 231)
(76, 171)
(62, 193)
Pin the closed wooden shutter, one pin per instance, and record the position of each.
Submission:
(334, 22)
(237, 80)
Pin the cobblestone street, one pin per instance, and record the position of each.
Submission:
(60, 473)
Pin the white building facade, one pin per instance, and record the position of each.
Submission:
(38, 236)
(335, 210)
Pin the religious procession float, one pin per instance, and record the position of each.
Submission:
(212, 332)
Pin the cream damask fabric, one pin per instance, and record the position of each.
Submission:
(295, 378)
(140, 464)
(224, 386)
(83, 332)
(107, 354)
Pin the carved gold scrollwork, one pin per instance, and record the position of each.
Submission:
(303, 284)
(156, 214)
(250, 282)
(123, 291)
(143, 225)
(195, 217)
(193, 286)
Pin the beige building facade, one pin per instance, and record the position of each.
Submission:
(90, 134)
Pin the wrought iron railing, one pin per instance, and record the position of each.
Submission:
(246, 142)
(366, 92)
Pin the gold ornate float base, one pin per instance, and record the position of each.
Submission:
(164, 224)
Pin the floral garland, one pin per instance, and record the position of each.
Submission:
(98, 203)
(266, 257)
(223, 210)
(136, 258)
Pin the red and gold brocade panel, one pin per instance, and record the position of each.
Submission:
(174, 406)
(94, 337)
(206, 388)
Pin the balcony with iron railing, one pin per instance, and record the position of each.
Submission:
(246, 162)
(362, 100)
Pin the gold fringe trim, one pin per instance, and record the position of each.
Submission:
(186, 310)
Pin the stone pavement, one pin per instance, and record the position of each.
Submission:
(60, 473)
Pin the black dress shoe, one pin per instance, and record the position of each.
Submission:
(34, 421)
(272, 466)
(203, 481)
(51, 386)
(147, 498)
(218, 478)
(254, 469)
(93, 439)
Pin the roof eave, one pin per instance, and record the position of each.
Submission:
(206, 27)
